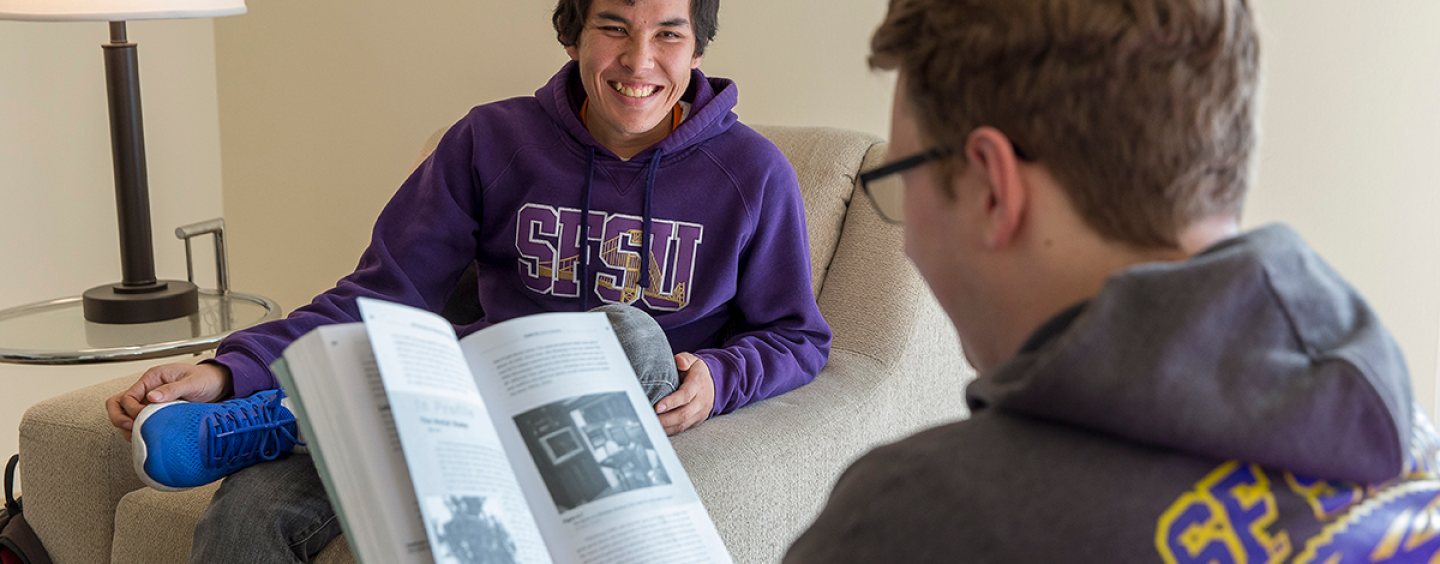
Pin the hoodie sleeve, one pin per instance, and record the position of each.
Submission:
(781, 342)
(422, 242)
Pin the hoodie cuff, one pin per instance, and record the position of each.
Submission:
(247, 375)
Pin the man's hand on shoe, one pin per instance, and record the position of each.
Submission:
(169, 382)
(692, 403)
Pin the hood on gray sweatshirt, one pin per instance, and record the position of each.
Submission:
(1254, 350)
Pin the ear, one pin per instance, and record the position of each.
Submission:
(990, 154)
(695, 61)
(573, 51)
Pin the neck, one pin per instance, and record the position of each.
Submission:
(1209, 231)
(1036, 292)
(627, 145)
(1057, 272)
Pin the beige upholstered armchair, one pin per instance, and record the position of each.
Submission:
(763, 471)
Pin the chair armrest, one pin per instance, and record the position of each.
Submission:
(76, 467)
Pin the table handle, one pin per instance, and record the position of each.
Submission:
(222, 263)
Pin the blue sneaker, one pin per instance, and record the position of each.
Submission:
(179, 445)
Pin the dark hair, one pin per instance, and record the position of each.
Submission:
(569, 20)
(1144, 110)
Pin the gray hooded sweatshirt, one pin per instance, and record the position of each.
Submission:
(1245, 405)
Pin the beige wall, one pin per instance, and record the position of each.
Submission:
(57, 190)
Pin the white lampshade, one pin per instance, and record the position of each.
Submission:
(117, 10)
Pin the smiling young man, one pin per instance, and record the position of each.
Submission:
(1154, 386)
(632, 86)
(626, 181)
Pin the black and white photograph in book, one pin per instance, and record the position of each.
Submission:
(590, 447)
(467, 531)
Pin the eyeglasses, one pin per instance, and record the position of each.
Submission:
(886, 189)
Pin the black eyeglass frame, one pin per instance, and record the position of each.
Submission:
(908, 163)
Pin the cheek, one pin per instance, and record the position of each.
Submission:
(598, 52)
(594, 62)
(920, 198)
(680, 73)
(919, 240)
(930, 237)
(909, 243)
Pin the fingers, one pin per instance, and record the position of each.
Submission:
(683, 361)
(123, 407)
(182, 389)
(170, 382)
(680, 411)
(682, 418)
(131, 406)
(687, 391)
(165, 383)
(118, 416)
(199, 383)
(690, 405)
(682, 396)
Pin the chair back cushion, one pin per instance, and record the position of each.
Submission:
(826, 160)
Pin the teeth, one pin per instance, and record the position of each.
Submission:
(633, 92)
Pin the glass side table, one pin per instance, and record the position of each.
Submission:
(56, 332)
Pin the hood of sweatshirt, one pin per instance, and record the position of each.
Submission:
(1253, 350)
(711, 103)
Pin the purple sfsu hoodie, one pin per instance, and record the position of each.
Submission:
(705, 230)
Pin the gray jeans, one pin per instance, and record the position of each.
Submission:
(278, 512)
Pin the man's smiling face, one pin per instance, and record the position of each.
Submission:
(635, 61)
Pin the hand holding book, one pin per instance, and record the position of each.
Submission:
(530, 438)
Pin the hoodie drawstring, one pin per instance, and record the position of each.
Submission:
(584, 276)
(583, 280)
(645, 231)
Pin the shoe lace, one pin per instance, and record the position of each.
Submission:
(253, 428)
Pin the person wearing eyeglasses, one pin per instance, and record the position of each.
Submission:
(1154, 384)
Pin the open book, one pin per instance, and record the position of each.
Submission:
(528, 441)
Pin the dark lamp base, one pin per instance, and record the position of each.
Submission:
(118, 303)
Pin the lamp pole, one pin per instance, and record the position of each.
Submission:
(139, 297)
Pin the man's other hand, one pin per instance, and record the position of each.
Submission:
(169, 382)
(692, 403)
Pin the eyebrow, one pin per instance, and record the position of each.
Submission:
(617, 18)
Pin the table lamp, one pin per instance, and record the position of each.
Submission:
(139, 297)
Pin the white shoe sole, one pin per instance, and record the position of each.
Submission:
(138, 451)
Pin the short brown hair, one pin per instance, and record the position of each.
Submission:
(569, 21)
(1143, 110)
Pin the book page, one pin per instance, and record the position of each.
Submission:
(470, 502)
(340, 405)
(601, 477)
